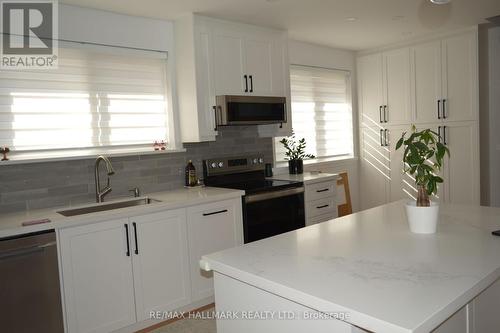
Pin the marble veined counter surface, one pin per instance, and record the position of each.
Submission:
(11, 224)
(371, 266)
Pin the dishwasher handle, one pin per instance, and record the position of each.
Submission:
(25, 251)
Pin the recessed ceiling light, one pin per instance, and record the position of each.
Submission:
(440, 2)
(351, 19)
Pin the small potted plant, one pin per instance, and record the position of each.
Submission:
(423, 159)
(295, 153)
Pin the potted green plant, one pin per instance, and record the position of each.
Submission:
(295, 153)
(423, 159)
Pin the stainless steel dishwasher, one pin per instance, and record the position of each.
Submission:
(30, 297)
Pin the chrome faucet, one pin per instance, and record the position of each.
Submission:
(100, 193)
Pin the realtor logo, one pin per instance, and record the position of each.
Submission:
(29, 34)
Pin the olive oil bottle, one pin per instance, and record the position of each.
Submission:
(190, 175)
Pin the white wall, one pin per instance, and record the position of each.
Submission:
(489, 86)
(307, 54)
(102, 27)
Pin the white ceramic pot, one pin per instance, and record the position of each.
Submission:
(422, 220)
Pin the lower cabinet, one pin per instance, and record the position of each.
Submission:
(160, 262)
(114, 273)
(98, 281)
(320, 201)
(212, 227)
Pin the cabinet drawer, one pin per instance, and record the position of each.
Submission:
(321, 190)
(326, 206)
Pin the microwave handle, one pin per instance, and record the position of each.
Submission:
(215, 117)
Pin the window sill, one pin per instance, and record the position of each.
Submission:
(279, 167)
(80, 154)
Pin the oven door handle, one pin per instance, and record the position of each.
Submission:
(273, 195)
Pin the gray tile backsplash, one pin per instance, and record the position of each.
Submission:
(62, 183)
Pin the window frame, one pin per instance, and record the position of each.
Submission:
(173, 135)
(349, 97)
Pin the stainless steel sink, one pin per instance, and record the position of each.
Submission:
(107, 206)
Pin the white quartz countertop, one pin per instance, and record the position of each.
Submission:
(11, 224)
(372, 267)
(307, 177)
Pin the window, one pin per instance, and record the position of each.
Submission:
(98, 97)
(321, 111)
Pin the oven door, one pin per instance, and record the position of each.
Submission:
(273, 213)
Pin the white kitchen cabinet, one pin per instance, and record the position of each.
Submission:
(229, 62)
(374, 171)
(195, 79)
(426, 60)
(457, 323)
(216, 57)
(160, 257)
(385, 90)
(320, 201)
(461, 168)
(460, 77)
(485, 310)
(211, 227)
(98, 282)
(370, 85)
(433, 85)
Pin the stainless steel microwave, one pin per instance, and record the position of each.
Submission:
(250, 110)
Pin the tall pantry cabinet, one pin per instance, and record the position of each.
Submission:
(432, 84)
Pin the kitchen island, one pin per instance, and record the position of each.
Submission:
(365, 272)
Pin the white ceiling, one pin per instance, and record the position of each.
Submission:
(347, 24)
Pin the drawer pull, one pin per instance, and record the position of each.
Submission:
(323, 190)
(217, 212)
(323, 206)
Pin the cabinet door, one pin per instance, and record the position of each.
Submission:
(212, 227)
(160, 259)
(375, 173)
(97, 277)
(205, 85)
(427, 80)
(460, 74)
(461, 169)
(485, 310)
(371, 90)
(402, 186)
(228, 63)
(397, 86)
(258, 54)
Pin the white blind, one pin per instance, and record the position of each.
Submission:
(97, 97)
(321, 111)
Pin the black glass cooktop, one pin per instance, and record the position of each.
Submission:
(261, 185)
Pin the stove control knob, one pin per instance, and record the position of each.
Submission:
(255, 161)
(221, 164)
(261, 160)
(213, 165)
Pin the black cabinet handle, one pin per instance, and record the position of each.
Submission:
(380, 114)
(246, 83)
(385, 113)
(217, 212)
(444, 136)
(385, 138)
(381, 140)
(128, 242)
(444, 109)
(135, 237)
(439, 106)
(215, 117)
(323, 190)
(439, 134)
(251, 83)
(323, 206)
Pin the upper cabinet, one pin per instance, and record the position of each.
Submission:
(215, 57)
(423, 83)
(385, 88)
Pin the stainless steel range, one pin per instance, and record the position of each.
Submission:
(270, 207)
